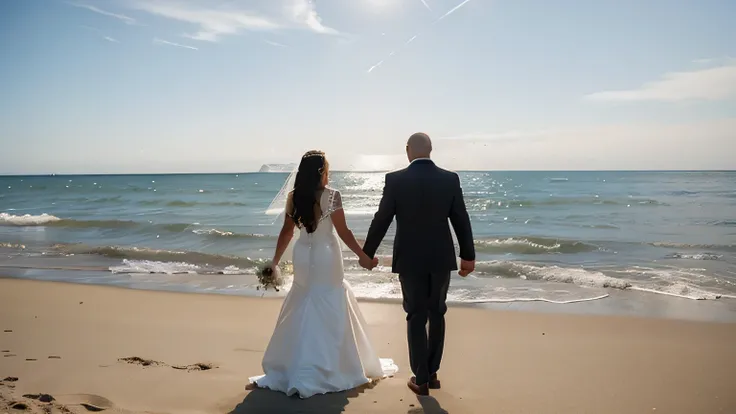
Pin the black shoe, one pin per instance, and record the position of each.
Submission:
(422, 390)
(434, 383)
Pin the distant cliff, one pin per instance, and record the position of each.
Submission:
(277, 168)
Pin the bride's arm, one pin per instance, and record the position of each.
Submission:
(287, 232)
(285, 235)
(347, 236)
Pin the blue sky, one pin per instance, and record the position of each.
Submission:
(113, 86)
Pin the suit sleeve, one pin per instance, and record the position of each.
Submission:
(381, 220)
(461, 222)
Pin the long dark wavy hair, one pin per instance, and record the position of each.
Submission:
(307, 184)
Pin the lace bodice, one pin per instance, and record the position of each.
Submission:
(329, 202)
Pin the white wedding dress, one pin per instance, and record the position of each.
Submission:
(320, 343)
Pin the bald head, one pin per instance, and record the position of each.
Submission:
(418, 146)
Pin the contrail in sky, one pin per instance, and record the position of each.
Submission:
(374, 67)
(453, 10)
(424, 2)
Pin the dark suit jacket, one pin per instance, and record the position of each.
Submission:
(422, 197)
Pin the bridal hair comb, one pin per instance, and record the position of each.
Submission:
(314, 153)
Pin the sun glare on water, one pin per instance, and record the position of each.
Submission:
(373, 163)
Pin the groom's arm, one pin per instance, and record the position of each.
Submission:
(382, 219)
(461, 222)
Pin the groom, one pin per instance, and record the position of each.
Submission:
(422, 197)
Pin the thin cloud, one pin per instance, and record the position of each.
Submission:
(100, 32)
(499, 136)
(682, 145)
(215, 21)
(276, 44)
(454, 9)
(703, 61)
(123, 18)
(166, 42)
(305, 12)
(212, 23)
(424, 2)
(711, 84)
(723, 60)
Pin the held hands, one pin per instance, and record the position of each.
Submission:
(466, 267)
(367, 263)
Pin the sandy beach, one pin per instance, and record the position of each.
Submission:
(195, 353)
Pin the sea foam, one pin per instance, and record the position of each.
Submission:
(27, 219)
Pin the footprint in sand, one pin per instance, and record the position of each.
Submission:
(247, 350)
(18, 406)
(90, 402)
(194, 367)
(149, 362)
(140, 361)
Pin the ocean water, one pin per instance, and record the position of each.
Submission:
(557, 237)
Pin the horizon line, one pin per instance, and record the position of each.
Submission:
(344, 171)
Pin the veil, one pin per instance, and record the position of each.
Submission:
(277, 209)
(278, 204)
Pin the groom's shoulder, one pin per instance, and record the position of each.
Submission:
(396, 173)
(447, 173)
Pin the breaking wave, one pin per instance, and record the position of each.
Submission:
(173, 268)
(56, 222)
(208, 260)
(577, 276)
(657, 281)
(27, 219)
(532, 245)
(697, 256)
(687, 246)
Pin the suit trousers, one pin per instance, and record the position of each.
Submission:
(425, 296)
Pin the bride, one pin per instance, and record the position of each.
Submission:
(320, 343)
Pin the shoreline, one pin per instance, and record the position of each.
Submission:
(66, 340)
(615, 302)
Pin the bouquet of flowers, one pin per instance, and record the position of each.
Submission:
(269, 275)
